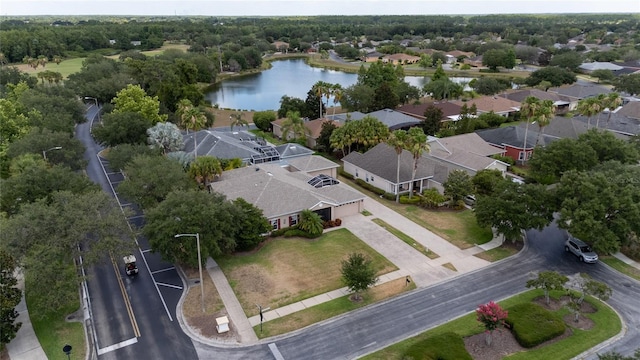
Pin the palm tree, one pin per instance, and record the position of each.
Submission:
(416, 144)
(612, 101)
(398, 141)
(205, 169)
(337, 96)
(237, 119)
(293, 124)
(191, 118)
(320, 88)
(529, 109)
(589, 107)
(545, 115)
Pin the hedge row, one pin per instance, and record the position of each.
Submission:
(532, 324)
(447, 346)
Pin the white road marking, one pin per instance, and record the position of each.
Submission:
(167, 269)
(117, 346)
(169, 285)
(276, 353)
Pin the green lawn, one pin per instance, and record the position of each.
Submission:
(54, 332)
(66, 67)
(621, 266)
(288, 270)
(458, 227)
(331, 308)
(607, 325)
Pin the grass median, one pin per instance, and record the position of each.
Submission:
(407, 239)
(607, 324)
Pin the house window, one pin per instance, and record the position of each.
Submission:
(521, 155)
(293, 219)
(371, 178)
(275, 224)
(356, 173)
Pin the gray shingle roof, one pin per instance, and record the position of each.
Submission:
(513, 136)
(394, 119)
(237, 144)
(579, 91)
(382, 161)
(277, 192)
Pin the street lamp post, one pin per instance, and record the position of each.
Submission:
(44, 152)
(197, 236)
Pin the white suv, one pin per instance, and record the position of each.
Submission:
(580, 249)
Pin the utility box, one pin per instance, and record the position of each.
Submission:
(222, 324)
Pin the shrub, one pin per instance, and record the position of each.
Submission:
(518, 171)
(431, 198)
(505, 159)
(299, 233)
(370, 187)
(447, 346)
(389, 196)
(341, 172)
(532, 324)
(405, 199)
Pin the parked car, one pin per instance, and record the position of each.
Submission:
(469, 200)
(580, 249)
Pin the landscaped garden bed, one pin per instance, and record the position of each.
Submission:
(597, 323)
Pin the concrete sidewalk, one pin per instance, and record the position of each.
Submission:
(25, 346)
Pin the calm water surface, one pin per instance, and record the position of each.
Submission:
(293, 78)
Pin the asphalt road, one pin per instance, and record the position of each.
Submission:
(132, 317)
(344, 337)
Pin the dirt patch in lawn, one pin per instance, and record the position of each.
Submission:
(287, 270)
(203, 322)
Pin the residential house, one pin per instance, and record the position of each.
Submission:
(372, 56)
(394, 119)
(499, 105)
(475, 61)
(379, 166)
(468, 152)
(511, 139)
(452, 56)
(450, 110)
(618, 123)
(277, 129)
(590, 67)
(568, 128)
(577, 92)
(283, 190)
(281, 46)
(561, 102)
(630, 110)
(314, 128)
(400, 59)
(239, 144)
(348, 116)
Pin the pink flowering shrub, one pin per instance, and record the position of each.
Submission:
(491, 316)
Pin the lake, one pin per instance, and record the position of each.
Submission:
(294, 78)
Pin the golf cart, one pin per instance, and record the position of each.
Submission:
(130, 265)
